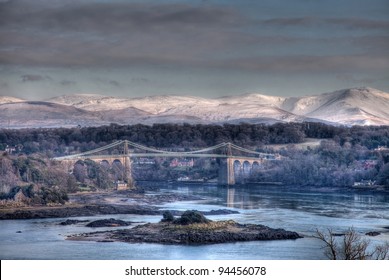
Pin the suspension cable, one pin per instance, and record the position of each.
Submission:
(101, 148)
(169, 152)
(142, 147)
(236, 147)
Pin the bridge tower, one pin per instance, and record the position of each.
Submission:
(127, 166)
(226, 168)
(226, 172)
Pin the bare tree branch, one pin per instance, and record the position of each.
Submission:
(352, 247)
(330, 244)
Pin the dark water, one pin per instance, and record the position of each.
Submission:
(292, 208)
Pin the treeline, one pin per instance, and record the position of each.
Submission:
(328, 164)
(59, 141)
(33, 180)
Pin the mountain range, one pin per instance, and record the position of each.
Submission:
(356, 106)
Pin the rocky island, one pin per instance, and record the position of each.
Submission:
(192, 228)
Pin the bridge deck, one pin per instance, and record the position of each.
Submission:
(172, 154)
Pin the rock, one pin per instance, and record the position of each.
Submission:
(205, 233)
(220, 212)
(108, 223)
(72, 222)
(209, 232)
(78, 211)
(373, 233)
(191, 217)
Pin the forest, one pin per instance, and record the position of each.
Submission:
(344, 157)
(59, 141)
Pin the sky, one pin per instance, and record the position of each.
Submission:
(206, 48)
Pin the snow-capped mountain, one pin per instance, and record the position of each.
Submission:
(358, 106)
(45, 114)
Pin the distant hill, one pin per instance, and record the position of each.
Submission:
(45, 114)
(356, 106)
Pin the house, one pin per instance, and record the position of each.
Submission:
(145, 161)
(381, 148)
(10, 150)
(182, 163)
(121, 185)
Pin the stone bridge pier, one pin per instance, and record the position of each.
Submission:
(124, 160)
(236, 170)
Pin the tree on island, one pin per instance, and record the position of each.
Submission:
(187, 218)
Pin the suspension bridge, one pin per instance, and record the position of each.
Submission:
(232, 168)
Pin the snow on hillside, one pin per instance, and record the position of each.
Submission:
(226, 108)
(349, 106)
(361, 106)
(91, 102)
(254, 98)
(45, 114)
(9, 99)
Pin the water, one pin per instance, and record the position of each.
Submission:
(299, 209)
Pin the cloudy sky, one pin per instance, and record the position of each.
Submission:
(203, 48)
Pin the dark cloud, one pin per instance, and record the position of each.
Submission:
(372, 44)
(105, 81)
(289, 21)
(114, 16)
(35, 78)
(152, 37)
(353, 79)
(114, 83)
(115, 34)
(351, 23)
(311, 64)
(140, 80)
(357, 23)
(68, 83)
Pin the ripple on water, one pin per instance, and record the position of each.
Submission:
(301, 209)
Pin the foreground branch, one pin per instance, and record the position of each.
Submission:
(350, 247)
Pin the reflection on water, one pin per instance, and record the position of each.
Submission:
(303, 208)
(366, 199)
(318, 201)
(230, 197)
(299, 209)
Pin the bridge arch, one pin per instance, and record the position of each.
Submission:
(119, 170)
(246, 168)
(238, 171)
(105, 163)
(255, 167)
(117, 161)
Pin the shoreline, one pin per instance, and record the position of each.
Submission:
(103, 203)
